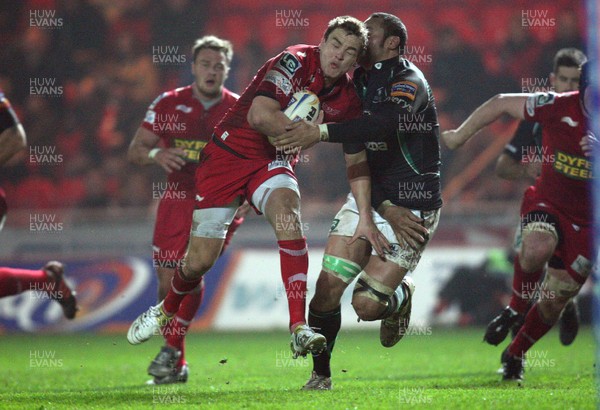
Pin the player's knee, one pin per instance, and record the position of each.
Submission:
(370, 297)
(196, 265)
(535, 254)
(550, 309)
(537, 249)
(366, 309)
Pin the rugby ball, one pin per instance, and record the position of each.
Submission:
(304, 105)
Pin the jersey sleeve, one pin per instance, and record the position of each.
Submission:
(154, 115)
(285, 74)
(8, 118)
(522, 138)
(540, 107)
(406, 96)
(409, 93)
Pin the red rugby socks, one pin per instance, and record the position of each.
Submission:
(293, 255)
(15, 281)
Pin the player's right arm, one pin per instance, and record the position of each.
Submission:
(266, 117)
(143, 151)
(282, 75)
(485, 114)
(12, 134)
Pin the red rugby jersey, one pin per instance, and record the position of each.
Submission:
(566, 175)
(181, 121)
(295, 69)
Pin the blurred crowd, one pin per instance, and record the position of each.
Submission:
(81, 75)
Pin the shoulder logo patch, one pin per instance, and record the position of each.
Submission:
(406, 89)
(288, 64)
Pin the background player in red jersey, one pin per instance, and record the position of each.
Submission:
(239, 163)
(177, 126)
(556, 213)
(522, 159)
(50, 278)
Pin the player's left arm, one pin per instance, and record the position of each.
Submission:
(359, 177)
(485, 114)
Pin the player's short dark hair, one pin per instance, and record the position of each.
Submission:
(392, 26)
(213, 43)
(352, 26)
(568, 57)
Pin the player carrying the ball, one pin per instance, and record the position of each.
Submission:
(556, 212)
(393, 164)
(239, 163)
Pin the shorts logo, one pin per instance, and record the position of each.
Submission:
(394, 250)
(334, 225)
(289, 64)
(279, 164)
(406, 89)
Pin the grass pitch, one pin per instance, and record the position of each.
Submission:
(438, 369)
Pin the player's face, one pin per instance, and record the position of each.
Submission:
(210, 72)
(565, 79)
(338, 53)
(375, 50)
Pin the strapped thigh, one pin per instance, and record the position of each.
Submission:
(373, 289)
(554, 286)
(341, 268)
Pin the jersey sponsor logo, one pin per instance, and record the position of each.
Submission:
(279, 164)
(191, 148)
(280, 81)
(288, 64)
(569, 121)
(376, 146)
(150, 117)
(184, 108)
(224, 135)
(573, 166)
(406, 89)
(403, 103)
